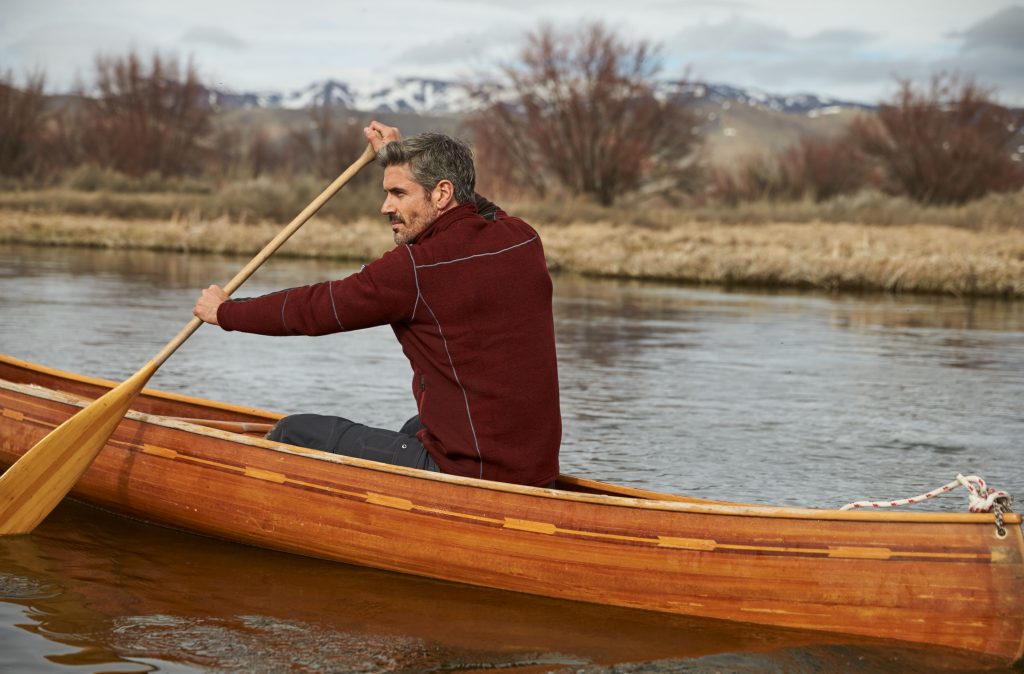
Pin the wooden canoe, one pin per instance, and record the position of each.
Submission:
(946, 579)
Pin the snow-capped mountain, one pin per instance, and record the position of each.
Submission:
(722, 93)
(440, 97)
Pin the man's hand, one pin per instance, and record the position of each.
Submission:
(380, 135)
(207, 304)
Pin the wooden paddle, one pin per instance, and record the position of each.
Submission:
(37, 482)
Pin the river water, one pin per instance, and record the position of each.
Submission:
(802, 399)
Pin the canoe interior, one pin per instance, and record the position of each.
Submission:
(161, 403)
(216, 414)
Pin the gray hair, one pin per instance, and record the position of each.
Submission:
(433, 157)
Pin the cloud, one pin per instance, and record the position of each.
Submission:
(837, 40)
(212, 35)
(845, 63)
(463, 49)
(739, 34)
(991, 52)
(1002, 30)
(735, 35)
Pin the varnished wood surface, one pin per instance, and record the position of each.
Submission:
(941, 578)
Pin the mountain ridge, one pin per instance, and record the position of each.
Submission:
(418, 95)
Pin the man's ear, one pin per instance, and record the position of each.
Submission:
(443, 195)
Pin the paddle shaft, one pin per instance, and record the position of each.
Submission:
(40, 479)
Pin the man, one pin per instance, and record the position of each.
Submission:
(469, 299)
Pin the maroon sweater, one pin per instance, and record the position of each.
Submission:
(470, 303)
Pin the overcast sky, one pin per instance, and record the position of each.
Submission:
(849, 49)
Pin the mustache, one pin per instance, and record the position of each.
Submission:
(394, 219)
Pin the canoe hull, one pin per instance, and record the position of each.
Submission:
(944, 579)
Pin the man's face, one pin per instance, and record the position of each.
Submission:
(407, 205)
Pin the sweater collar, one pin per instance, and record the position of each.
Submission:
(446, 220)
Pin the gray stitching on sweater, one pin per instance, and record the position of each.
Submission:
(416, 278)
(470, 257)
(284, 303)
(465, 396)
(330, 292)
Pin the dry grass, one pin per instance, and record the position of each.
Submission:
(358, 240)
(916, 258)
(257, 200)
(913, 258)
(868, 207)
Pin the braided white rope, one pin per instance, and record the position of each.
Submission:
(980, 497)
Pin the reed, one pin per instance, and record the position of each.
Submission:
(925, 258)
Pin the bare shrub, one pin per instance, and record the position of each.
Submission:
(263, 154)
(328, 143)
(823, 168)
(945, 145)
(146, 119)
(756, 177)
(581, 108)
(812, 168)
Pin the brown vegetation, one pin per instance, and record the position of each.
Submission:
(583, 120)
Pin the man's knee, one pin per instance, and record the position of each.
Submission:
(305, 430)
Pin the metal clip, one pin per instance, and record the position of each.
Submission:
(999, 506)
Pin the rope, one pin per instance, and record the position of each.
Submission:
(980, 497)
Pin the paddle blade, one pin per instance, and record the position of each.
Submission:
(40, 479)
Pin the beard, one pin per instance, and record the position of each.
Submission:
(408, 229)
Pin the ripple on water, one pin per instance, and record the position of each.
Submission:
(22, 588)
(263, 643)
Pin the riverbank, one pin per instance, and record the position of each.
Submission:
(923, 258)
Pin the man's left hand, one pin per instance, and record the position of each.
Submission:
(380, 135)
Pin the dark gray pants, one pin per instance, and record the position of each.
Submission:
(341, 436)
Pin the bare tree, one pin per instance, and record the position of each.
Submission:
(584, 110)
(22, 122)
(949, 144)
(147, 119)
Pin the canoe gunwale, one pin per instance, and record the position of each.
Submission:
(642, 499)
(147, 392)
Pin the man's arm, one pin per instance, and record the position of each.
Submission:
(383, 292)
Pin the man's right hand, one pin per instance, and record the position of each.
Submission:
(208, 303)
(380, 135)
